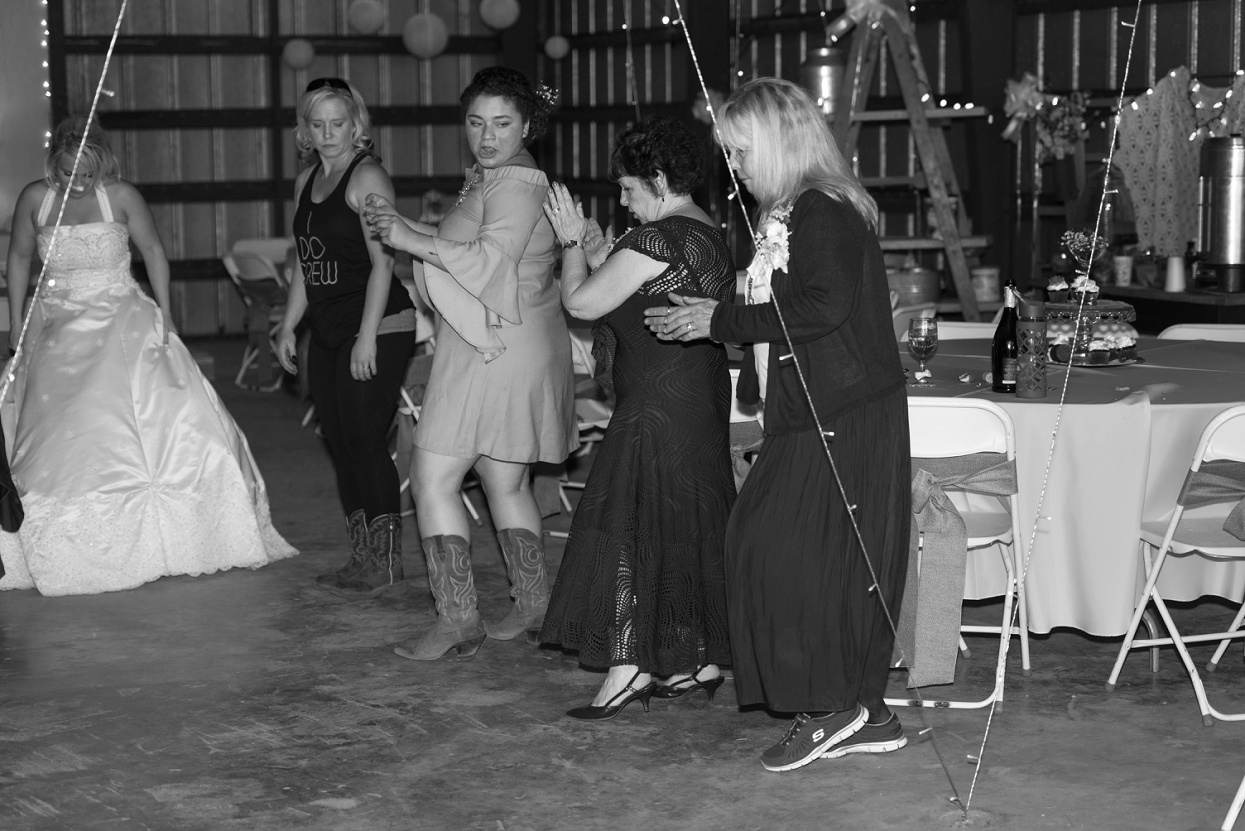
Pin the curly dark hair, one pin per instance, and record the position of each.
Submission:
(534, 104)
(659, 144)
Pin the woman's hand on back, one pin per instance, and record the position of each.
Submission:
(688, 318)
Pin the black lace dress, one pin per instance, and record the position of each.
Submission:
(642, 580)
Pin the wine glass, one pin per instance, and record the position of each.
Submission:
(922, 341)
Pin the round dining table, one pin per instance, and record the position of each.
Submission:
(1107, 448)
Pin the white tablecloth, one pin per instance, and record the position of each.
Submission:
(1125, 440)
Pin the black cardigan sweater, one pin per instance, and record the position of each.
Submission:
(836, 303)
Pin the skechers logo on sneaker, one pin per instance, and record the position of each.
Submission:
(819, 735)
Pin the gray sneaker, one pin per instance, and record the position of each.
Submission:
(807, 737)
(870, 738)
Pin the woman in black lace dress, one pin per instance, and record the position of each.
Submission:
(641, 588)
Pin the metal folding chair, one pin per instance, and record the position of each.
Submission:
(1207, 521)
(948, 431)
(264, 289)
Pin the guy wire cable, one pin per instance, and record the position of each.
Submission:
(928, 731)
(1063, 392)
(38, 285)
(633, 91)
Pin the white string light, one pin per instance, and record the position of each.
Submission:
(1063, 392)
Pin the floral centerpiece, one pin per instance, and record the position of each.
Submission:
(1085, 249)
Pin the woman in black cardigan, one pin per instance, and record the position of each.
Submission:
(809, 634)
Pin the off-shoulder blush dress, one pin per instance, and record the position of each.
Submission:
(501, 383)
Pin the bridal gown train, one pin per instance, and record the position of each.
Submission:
(128, 465)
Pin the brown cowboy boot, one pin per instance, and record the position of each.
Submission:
(356, 532)
(382, 564)
(529, 584)
(458, 625)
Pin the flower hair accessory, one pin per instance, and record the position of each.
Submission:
(548, 96)
(773, 253)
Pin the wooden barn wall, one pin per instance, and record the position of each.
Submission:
(247, 183)
(753, 38)
(600, 96)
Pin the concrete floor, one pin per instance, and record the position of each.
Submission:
(251, 700)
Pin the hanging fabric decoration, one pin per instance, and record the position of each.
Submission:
(425, 35)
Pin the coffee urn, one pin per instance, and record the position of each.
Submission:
(1221, 211)
(822, 75)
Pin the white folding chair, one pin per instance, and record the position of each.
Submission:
(1196, 527)
(264, 289)
(946, 428)
(1233, 332)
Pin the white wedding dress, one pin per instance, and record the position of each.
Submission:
(128, 465)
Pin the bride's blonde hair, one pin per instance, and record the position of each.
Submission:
(97, 158)
(790, 147)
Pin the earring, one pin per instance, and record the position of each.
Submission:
(663, 197)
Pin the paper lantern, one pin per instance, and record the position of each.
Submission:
(425, 35)
(499, 14)
(557, 47)
(298, 53)
(366, 16)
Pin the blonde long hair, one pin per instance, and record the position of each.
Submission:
(790, 147)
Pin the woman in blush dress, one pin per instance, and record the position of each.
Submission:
(128, 465)
(501, 393)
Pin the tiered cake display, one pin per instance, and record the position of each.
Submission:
(1104, 337)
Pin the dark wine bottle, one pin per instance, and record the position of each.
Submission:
(1004, 352)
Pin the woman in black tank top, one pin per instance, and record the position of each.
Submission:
(362, 325)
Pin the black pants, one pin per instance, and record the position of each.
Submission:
(355, 417)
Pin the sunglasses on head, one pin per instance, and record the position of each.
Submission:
(331, 83)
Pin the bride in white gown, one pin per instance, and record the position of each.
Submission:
(128, 465)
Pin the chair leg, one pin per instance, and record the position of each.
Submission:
(1023, 612)
(471, 509)
(1223, 645)
(1152, 628)
(1233, 812)
(1208, 719)
(1148, 593)
(249, 355)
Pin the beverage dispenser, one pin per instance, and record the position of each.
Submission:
(1221, 211)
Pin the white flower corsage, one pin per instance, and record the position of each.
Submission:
(772, 254)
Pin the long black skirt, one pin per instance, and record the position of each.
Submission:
(807, 631)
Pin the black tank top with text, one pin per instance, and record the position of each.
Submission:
(336, 265)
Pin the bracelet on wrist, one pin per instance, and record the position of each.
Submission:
(571, 243)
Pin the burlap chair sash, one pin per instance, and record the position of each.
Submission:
(929, 622)
(1220, 480)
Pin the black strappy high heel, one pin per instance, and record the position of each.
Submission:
(610, 709)
(688, 685)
